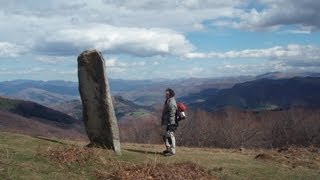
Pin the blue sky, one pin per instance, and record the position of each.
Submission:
(159, 39)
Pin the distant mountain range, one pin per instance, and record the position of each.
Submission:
(43, 92)
(261, 94)
(64, 96)
(58, 108)
(287, 75)
(143, 92)
(137, 92)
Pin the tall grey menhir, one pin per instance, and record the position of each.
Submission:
(98, 112)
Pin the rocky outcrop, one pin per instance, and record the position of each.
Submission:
(98, 111)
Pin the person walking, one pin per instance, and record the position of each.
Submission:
(168, 123)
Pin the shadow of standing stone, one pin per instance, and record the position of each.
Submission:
(98, 111)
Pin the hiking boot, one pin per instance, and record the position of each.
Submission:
(169, 153)
(165, 151)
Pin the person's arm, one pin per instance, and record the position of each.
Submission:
(172, 112)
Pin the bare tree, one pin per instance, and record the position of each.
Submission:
(232, 128)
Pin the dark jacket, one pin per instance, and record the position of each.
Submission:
(169, 112)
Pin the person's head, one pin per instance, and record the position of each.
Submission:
(169, 93)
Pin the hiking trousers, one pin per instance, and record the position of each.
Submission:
(169, 139)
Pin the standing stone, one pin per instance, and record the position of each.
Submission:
(98, 112)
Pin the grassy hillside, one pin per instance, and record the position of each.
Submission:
(34, 119)
(7, 104)
(25, 157)
(31, 109)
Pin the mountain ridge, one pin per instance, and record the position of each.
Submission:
(141, 92)
(263, 94)
(35, 119)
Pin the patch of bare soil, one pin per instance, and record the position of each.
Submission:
(178, 171)
(263, 156)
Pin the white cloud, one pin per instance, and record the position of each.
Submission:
(277, 13)
(191, 72)
(172, 5)
(110, 62)
(53, 59)
(114, 62)
(63, 28)
(227, 68)
(155, 63)
(291, 52)
(117, 70)
(53, 31)
(54, 14)
(11, 50)
(300, 31)
(33, 70)
(119, 40)
(68, 72)
(35, 19)
(113, 65)
(140, 63)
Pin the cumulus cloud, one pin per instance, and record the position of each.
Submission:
(62, 28)
(38, 17)
(110, 62)
(290, 52)
(181, 15)
(11, 50)
(278, 58)
(169, 4)
(277, 13)
(119, 40)
(53, 31)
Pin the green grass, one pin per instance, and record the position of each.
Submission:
(25, 157)
(137, 113)
(232, 164)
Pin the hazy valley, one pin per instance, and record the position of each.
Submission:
(229, 100)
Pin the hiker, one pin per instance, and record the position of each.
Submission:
(168, 123)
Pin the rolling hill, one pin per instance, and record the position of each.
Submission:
(213, 92)
(35, 119)
(143, 92)
(42, 92)
(64, 95)
(261, 94)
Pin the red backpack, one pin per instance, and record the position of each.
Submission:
(181, 111)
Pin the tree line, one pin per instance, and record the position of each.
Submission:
(232, 128)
